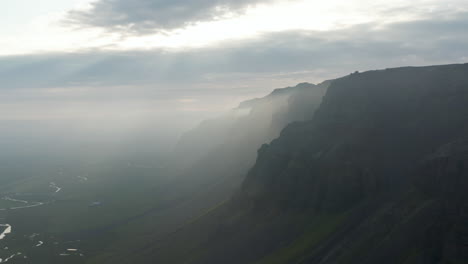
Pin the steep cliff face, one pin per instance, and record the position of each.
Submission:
(378, 175)
(367, 136)
(367, 147)
(424, 224)
(444, 178)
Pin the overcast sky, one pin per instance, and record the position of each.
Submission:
(187, 60)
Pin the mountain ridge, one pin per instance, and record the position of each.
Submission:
(350, 171)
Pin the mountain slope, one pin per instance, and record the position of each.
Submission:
(352, 185)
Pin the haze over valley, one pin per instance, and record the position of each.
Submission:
(253, 131)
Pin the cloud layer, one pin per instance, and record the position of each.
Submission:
(359, 47)
(207, 80)
(170, 91)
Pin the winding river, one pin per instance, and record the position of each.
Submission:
(26, 204)
(18, 204)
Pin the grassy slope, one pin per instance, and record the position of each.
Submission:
(319, 229)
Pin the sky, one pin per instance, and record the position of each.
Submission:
(175, 62)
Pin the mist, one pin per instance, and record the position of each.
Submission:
(220, 131)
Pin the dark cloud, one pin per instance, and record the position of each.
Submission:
(144, 16)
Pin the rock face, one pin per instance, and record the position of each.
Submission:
(366, 143)
(367, 136)
(425, 224)
(444, 178)
(378, 175)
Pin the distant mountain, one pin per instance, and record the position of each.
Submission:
(377, 175)
(254, 122)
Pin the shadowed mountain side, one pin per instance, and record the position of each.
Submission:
(367, 136)
(352, 185)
